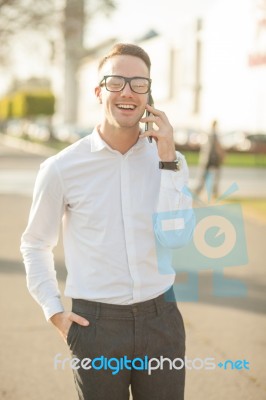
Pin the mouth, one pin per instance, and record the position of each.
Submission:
(127, 107)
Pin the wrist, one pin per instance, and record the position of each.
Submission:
(168, 159)
(54, 319)
(167, 155)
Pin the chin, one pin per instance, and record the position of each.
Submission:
(128, 124)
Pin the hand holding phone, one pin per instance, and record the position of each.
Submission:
(149, 125)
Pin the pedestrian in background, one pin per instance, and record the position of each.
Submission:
(106, 189)
(211, 158)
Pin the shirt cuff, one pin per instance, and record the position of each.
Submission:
(172, 180)
(52, 307)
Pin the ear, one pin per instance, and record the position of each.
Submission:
(98, 93)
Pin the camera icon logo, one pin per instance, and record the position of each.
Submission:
(210, 238)
(225, 229)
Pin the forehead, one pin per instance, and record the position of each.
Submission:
(126, 66)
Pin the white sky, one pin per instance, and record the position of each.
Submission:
(134, 18)
(130, 21)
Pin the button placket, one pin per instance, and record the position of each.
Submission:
(129, 225)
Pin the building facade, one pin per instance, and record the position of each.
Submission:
(213, 67)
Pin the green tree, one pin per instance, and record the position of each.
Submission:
(5, 108)
(31, 104)
(61, 21)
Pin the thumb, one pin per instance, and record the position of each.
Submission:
(78, 319)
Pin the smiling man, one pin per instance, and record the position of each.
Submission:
(105, 189)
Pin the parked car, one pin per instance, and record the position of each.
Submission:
(15, 127)
(244, 141)
(235, 141)
(38, 130)
(257, 142)
(70, 133)
(189, 139)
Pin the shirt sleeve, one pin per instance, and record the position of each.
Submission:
(174, 220)
(41, 236)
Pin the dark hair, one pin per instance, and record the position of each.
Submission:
(126, 49)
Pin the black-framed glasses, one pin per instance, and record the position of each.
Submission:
(116, 83)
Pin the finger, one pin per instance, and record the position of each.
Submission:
(148, 133)
(78, 319)
(150, 108)
(156, 112)
(152, 119)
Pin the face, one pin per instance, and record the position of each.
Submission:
(125, 108)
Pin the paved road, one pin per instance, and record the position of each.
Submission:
(19, 179)
(221, 329)
(251, 182)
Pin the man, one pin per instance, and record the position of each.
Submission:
(106, 189)
(211, 159)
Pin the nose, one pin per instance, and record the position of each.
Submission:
(127, 90)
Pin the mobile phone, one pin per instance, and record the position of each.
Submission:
(149, 125)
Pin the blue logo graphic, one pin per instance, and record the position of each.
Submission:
(208, 238)
(230, 364)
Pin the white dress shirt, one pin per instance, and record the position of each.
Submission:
(106, 201)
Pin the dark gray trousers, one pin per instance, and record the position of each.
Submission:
(136, 333)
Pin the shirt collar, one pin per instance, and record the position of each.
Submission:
(98, 144)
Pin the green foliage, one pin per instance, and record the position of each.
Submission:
(240, 159)
(27, 104)
(245, 160)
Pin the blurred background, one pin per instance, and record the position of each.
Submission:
(208, 63)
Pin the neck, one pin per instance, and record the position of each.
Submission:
(120, 139)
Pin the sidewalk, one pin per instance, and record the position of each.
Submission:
(27, 146)
(250, 181)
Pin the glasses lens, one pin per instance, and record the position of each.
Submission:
(140, 85)
(114, 83)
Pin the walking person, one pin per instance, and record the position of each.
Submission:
(105, 189)
(211, 159)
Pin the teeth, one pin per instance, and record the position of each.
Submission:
(127, 106)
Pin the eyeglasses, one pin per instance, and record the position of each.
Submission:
(116, 83)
